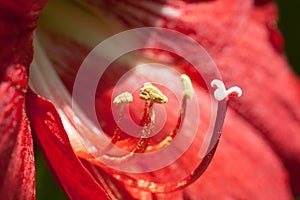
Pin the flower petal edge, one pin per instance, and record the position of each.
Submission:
(52, 139)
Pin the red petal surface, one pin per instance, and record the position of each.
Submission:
(18, 20)
(272, 91)
(17, 172)
(246, 46)
(116, 188)
(121, 191)
(244, 167)
(238, 36)
(53, 140)
(271, 101)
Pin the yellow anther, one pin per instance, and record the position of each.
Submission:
(152, 93)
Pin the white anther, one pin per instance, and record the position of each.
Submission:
(188, 89)
(123, 98)
(221, 93)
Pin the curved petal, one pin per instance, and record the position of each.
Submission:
(242, 38)
(272, 91)
(17, 171)
(237, 40)
(76, 181)
(18, 20)
(244, 167)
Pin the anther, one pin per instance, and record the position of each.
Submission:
(152, 93)
(123, 98)
(188, 90)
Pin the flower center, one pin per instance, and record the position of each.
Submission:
(152, 95)
(141, 153)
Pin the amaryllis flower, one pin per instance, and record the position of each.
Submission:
(258, 155)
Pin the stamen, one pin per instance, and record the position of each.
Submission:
(151, 95)
(148, 121)
(121, 99)
(188, 92)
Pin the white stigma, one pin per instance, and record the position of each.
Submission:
(221, 93)
(188, 89)
(123, 98)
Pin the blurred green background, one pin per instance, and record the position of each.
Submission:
(290, 27)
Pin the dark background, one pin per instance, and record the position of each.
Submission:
(289, 24)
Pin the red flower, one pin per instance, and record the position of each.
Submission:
(258, 155)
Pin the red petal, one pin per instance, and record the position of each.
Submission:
(116, 188)
(121, 190)
(53, 140)
(18, 20)
(247, 53)
(17, 171)
(244, 167)
(272, 91)
(238, 39)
